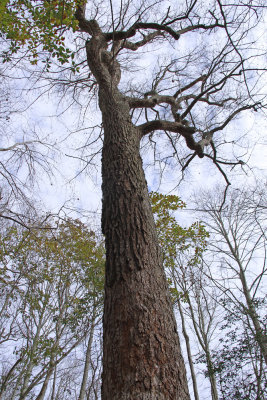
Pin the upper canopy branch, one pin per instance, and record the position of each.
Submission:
(19, 144)
(89, 26)
(191, 84)
(121, 35)
(233, 114)
(146, 39)
(92, 28)
(200, 26)
(209, 88)
(185, 131)
(149, 102)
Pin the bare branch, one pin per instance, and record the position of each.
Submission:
(189, 161)
(215, 85)
(18, 145)
(121, 35)
(185, 16)
(199, 26)
(149, 102)
(226, 122)
(189, 85)
(176, 127)
(146, 39)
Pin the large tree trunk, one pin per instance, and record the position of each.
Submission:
(142, 357)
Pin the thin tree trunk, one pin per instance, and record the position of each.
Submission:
(203, 341)
(141, 352)
(7, 376)
(30, 363)
(259, 335)
(210, 366)
(54, 383)
(213, 383)
(53, 359)
(26, 387)
(188, 349)
(43, 390)
(87, 361)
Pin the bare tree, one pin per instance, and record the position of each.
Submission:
(200, 311)
(239, 245)
(192, 98)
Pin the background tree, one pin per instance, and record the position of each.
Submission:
(236, 267)
(52, 284)
(183, 251)
(239, 231)
(193, 97)
(205, 283)
(238, 363)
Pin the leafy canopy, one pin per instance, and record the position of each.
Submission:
(174, 239)
(38, 26)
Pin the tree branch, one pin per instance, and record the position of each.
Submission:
(121, 35)
(221, 81)
(19, 144)
(176, 127)
(199, 26)
(206, 100)
(226, 122)
(149, 102)
(200, 79)
(146, 39)
(188, 161)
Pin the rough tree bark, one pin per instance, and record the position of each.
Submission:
(141, 350)
(142, 357)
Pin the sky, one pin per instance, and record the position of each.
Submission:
(67, 131)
